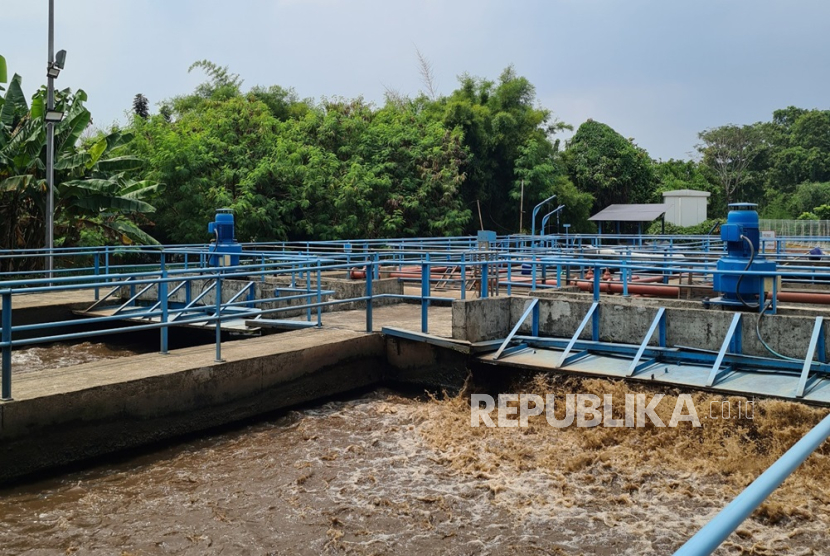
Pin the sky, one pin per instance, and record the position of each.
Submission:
(657, 71)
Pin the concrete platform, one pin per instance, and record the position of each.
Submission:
(75, 298)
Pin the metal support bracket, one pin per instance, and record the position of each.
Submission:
(195, 301)
(578, 333)
(133, 298)
(731, 343)
(530, 309)
(112, 291)
(816, 341)
(659, 320)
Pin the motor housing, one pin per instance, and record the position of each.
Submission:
(225, 250)
(742, 237)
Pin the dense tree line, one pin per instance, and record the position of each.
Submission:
(339, 168)
(298, 169)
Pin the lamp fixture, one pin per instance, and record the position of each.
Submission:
(53, 116)
(54, 69)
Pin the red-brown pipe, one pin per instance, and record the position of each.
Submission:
(802, 297)
(405, 272)
(646, 279)
(417, 269)
(617, 287)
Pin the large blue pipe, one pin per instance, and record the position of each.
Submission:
(722, 525)
(536, 211)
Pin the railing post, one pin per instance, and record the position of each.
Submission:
(319, 295)
(485, 279)
(308, 290)
(369, 273)
(533, 275)
(162, 294)
(624, 276)
(218, 292)
(97, 272)
(106, 260)
(534, 326)
(425, 295)
(251, 296)
(463, 269)
(509, 274)
(7, 350)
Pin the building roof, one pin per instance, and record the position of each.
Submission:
(686, 193)
(630, 213)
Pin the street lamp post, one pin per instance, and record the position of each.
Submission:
(53, 68)
(50, 143)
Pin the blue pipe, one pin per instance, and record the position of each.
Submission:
(546, 217)
(535, 212)
(707, 540)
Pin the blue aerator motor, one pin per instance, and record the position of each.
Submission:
(226, 250)
(743, 245)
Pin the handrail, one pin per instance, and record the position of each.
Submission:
(707, 540)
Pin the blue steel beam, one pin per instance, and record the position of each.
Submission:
(528, 311)
(732, 333)
(818, 332)
(588, 316)
(659, 320)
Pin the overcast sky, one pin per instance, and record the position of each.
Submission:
(658, 71)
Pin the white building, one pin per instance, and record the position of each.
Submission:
(686, 207)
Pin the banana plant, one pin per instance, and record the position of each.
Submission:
(95, 184)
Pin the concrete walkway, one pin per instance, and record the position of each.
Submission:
(79, 298)
(63, 415)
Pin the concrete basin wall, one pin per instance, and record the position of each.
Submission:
(627, 322)
(107, 406)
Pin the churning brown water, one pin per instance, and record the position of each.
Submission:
(60, 355)
(387, 474)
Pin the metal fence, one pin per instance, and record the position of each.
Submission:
(809, 233)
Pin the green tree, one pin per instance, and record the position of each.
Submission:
(610, 167)
(496, 120)
(540, 169)
(293, 170)
(728, 151)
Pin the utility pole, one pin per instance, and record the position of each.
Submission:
(50, 145)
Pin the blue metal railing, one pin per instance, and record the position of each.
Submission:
(513, 263)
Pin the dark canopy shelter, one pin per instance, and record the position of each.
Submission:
(630, 213)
